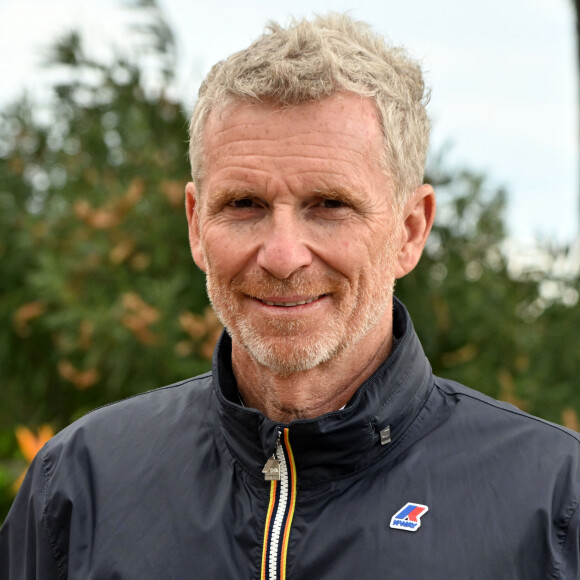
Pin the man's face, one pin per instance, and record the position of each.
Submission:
(295, 230)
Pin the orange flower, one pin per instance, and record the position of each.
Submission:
(30, 444)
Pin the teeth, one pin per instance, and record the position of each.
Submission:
(290, 303)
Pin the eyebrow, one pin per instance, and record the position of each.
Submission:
(340, 193)
(226, 195)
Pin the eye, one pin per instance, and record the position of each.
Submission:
(332, 203)
(242, 203)
(330, 207)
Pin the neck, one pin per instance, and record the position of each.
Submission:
(311, 393)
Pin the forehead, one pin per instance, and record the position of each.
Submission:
(341, 133)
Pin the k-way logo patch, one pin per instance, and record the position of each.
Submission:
(408, 518)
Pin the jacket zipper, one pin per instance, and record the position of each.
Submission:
(280, 470)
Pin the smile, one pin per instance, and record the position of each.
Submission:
(288, 304)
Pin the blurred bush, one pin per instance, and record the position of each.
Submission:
(100, 298)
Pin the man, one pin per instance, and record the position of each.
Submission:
(321, 445)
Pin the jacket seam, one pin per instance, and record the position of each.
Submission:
(514, 411)
(151, 391)
(58, 558)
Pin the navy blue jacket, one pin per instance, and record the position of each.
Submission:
(417, 477)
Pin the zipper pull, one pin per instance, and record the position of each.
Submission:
(271, 470)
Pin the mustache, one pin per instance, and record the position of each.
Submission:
(262, 284)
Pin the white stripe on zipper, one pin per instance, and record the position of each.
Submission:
(280, 512)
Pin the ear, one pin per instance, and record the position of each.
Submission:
(418, 216)
(193, 223)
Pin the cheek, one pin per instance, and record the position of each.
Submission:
(344, 245)
(226, 255)
(346, 253)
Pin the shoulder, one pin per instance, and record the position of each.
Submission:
(480, 408)
(187, 393)
(504, 438)
(154, 416)
(117, 447)
(111, 461)
(529, 467)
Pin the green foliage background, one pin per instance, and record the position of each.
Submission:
(99, 297)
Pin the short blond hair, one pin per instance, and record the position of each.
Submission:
(311, 60)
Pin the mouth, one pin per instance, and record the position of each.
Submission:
(289, 304)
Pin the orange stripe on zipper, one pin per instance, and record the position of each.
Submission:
(267, 529)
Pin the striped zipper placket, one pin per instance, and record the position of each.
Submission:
(280, 512)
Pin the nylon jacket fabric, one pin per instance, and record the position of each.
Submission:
(169, 485)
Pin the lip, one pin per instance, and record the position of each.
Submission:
(289, 303)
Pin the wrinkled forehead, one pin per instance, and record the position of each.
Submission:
(349, 119)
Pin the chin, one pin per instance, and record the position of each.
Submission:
(287, 354)
(285, 363)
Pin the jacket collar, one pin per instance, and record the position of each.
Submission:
(341, 442)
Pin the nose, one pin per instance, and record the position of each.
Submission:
(283, 249)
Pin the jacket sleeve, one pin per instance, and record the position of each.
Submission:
(26, 545)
